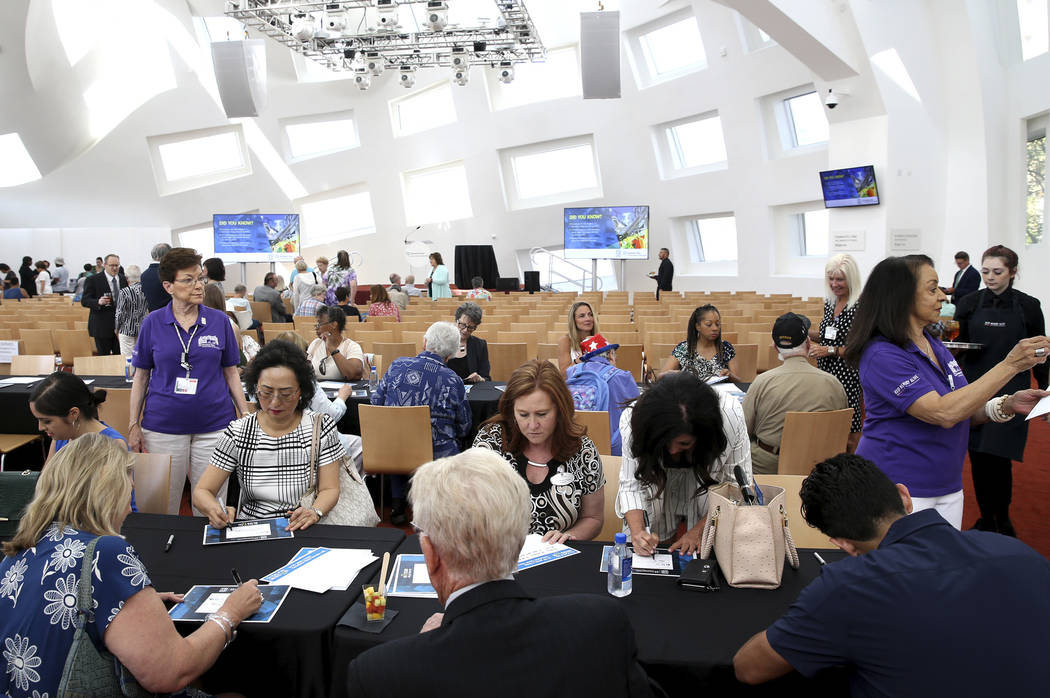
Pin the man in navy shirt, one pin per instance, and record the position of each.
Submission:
(919, 609)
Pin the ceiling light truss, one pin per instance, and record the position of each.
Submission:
(515, 40)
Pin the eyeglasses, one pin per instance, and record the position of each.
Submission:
(318, 325)
(468, 328)
(282, 395)
(191, 281)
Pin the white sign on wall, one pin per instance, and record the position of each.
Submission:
(905, 240)
(847, 241)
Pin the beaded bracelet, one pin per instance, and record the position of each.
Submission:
(994, 410)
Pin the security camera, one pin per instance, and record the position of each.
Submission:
(375, 64)
(303, 27)
(437, 15)
(460, 76)
(835, 97)
(506, 72)
(407, 76)
(363, 80)
(386, 21)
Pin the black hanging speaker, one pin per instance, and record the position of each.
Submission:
(509, 283)
(532, 281)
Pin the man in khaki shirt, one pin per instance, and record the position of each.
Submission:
(795, 386)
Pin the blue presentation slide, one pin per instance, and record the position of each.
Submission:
(256, 237)
(607, 232)
(853, 186)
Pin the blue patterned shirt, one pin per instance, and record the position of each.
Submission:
(426, 380)
(38, 604)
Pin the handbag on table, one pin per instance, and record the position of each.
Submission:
(355, 506)
(750, 542)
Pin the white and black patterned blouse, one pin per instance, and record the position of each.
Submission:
(131, 310)
(274, 472)
(555, 507)
(836, 365)
(699, 366)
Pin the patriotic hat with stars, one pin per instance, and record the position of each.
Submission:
(594, 345)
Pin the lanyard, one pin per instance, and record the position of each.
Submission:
(184, 360)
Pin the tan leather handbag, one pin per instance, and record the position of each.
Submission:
(750, 541)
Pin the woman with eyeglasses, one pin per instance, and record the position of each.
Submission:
(271, 450)
(471, 361)
(187, 388)
(333, 356)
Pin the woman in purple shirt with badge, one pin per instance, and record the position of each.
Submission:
(918, 404)
(187, 388)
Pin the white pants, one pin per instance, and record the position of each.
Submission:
(950, 506)
(127, 344)
(190, 455)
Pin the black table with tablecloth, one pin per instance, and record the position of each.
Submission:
(686, 639)
(15, 417)
(292, 654)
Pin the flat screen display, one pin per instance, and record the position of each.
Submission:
(256, 237)
(607, 232)
(853, 186)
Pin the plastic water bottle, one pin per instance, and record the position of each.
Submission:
(620, 581)
(58, 362)
(129, 370)
(373, 380)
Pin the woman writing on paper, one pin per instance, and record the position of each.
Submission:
(70, 531)
(271, 450)
(679, 438)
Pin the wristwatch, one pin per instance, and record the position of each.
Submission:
(318, 512)
(831, 351)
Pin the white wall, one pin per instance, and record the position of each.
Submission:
(949, 164)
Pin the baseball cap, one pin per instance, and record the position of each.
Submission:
(790, 330)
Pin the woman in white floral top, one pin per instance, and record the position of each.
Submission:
(70, 528)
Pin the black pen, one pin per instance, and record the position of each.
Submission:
(171, 539)
(236, 577)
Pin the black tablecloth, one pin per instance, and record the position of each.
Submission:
(14, 403)
(291, 655)
(686, 639)
(483, 399)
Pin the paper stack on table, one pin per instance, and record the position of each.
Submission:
(536, 552)
(322, 569)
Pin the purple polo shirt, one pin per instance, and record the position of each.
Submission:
(924, 457)
(213, 347)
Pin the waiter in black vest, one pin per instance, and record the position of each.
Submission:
(100, 295)
(664, 276)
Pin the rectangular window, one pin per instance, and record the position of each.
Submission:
(813, 233)
(19, 167)
(1035, 209)
(1035, 31)
(543, 174)
(713, 239)
(674, 48)
(336, 216)
(556, 78)
(807, 122)
(193, 159)
(321, 134)
(200, 239)
(436, 194)
(697, 143)
(423, 110)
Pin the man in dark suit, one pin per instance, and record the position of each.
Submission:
(967, 279)
(472, 511)
(152, 288)
(665, 275)
(100, 295)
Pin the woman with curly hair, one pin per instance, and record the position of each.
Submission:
(270, 450)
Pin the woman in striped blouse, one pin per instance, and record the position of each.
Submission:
(679, 438)
(131, 310)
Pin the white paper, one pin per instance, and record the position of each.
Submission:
(252, 531)
(332, 385)
(213, 603)
(1041, 408)
(420, 574)
(335, 569)
(716, 379)
(21, 380)
(660, 561)
(88, 381)
(8, 348)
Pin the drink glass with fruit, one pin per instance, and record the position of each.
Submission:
(375, 602)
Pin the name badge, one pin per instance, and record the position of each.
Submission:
(830, 332)
(185, 386)
(562, 478)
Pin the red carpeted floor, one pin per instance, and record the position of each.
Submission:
(1031, 498)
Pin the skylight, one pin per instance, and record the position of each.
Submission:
(19, 167)
(808, 123)
(423, 110)
(196, 157)
(814, 225)
(322, 134)
(436, 194)
(337, 217)
(697, 142)
(674, 48)
(564, 167)
(714, 239)
(1032, 21)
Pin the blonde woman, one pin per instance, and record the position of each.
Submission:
(842, 286)
(582, 324)
(75, 517)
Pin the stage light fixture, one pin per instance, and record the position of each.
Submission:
(437, 15)
(386, 19)
(461, 76)
(407, 76)
(506, 72)
(375, 63)
(303, 27)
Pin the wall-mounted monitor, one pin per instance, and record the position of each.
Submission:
(607, 232)
(852, 186)
(256, 237)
